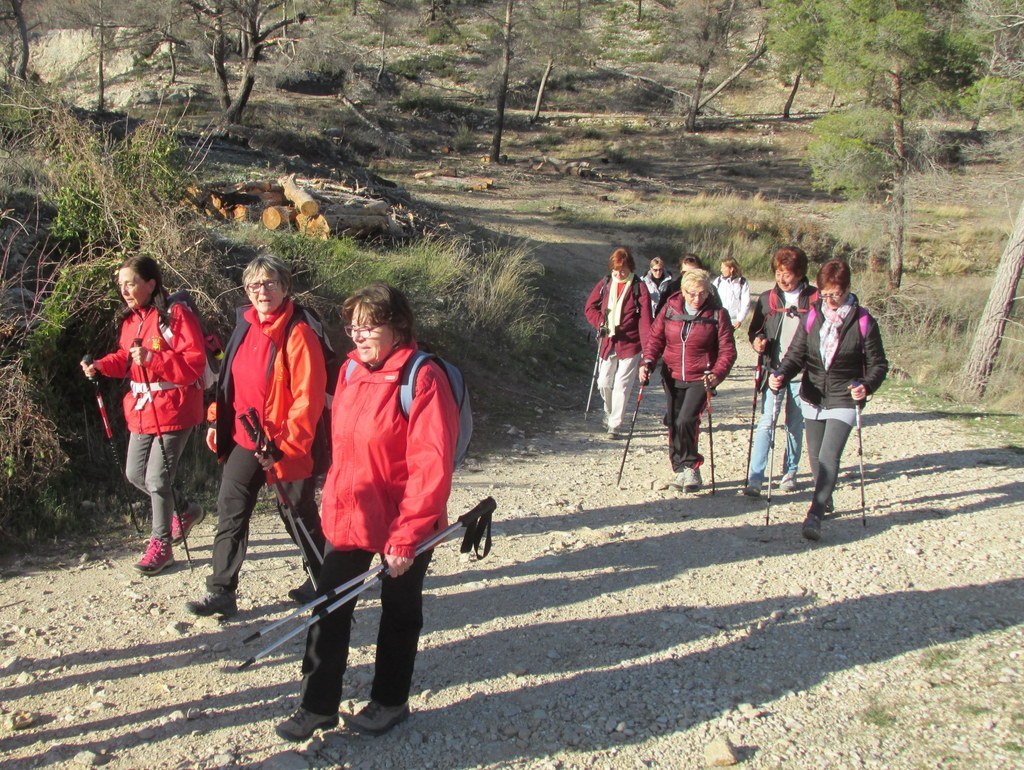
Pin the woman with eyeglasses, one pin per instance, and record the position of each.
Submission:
(162, 353)
(273, 364)
(839, 349)
(656, 279)
(386, 492)
(694, 336)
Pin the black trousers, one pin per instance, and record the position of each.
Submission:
(826, 440)
(240, 485)
(686, 401)
(398, 635)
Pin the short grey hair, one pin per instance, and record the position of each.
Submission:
(273, 267)
(695, 279)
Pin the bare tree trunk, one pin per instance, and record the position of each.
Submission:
(219, 55)
(173, 51)
(383, 43)
(540, 89)
(639, 11)
(233, 114)
(981, 360)
(759, 50)
(506, 62)
(792, 96)
(100, 55)
(691, 112)
(898, 205)
(21, 70)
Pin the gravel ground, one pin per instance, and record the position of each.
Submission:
(610, 627)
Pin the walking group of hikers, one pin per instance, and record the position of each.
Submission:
(389, 424)
(819, 352)
(389, 463)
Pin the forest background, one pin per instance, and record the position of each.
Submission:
(886, 133)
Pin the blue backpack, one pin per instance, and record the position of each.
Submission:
(457, 383)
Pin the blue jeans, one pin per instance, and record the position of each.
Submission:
(762, 435)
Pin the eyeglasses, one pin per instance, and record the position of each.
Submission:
(696, 294)
(362, 331)
(832, 295)
(267, 286)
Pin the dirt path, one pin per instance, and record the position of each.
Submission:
(610, 628)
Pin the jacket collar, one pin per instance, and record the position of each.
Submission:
(276, 324)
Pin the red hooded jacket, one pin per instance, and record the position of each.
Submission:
(179, 359)
(692, 345)
(390, 477)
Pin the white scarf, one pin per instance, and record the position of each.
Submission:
(617, 291)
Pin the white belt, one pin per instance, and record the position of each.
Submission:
(144, 392)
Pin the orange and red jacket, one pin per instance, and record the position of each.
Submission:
(179, 359)
(390, 477)
(296, 393)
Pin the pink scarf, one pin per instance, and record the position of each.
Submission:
(833, 319)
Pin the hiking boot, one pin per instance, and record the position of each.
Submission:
(302, 724)
(788, 483)
(375, 719)
(613, 433)
(830, 507)
(304, 594)
(182, 524)
(751, 491)
(691, 479)
(157, 557)
(812, 527)
(222, 604)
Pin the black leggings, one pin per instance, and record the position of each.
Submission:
(826, 440)
(685, 406)
(398, 635)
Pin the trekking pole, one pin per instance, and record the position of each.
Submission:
(632, 423)
(478, 526)
(137, 343)
(758, 371)
(593, 378)
(776, 409)
(265, 446)
(711, 433)
(858, 406)
(88, 361)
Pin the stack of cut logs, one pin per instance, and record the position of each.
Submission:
(319, 208)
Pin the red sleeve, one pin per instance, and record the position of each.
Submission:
(430, 456)
(654, 342)
(594, 310)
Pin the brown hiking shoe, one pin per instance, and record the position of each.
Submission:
(375, 719)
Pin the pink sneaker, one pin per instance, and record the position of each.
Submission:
(192, 516)
(158, 555)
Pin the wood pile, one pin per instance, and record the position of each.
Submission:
(451, 179)
(318, 208)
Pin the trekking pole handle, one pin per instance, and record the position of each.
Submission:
(859, 402)
(88, 360)
(264, 444)
(773, 373)
(713, 391)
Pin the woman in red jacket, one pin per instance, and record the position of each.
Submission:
(619, 308)
(162, 352)
(273, 364)
(695, 336)
(387, 491)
